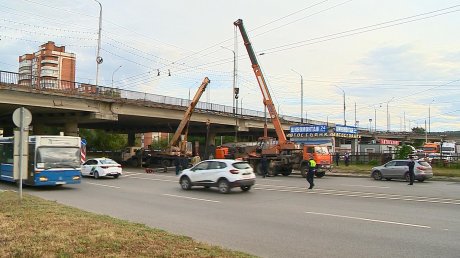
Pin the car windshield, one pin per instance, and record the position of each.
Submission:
(107, 161)
(241, 165)
(59, 157)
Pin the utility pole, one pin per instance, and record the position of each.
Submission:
(301, 95)
(99, 59)
(235, 90)
(344, 106)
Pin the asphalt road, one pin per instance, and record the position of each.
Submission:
(279, 217)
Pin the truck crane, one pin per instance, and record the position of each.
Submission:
(278, 152)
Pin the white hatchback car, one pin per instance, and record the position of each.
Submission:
(100, 167)
(221, 173)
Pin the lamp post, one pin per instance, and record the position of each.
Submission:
(301, 95)
(344, 106)
(429, 116)
(235, 92)
(98, 57)
(370, 125)
(114, 73)
(388, 115)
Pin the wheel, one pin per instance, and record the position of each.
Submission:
(224, 186)
(185, 183)
(96, 174)
(116, 176)
(303, 170)
(407, 177)
(166, 163)
(246, 188)
(421, 180)
(377, 175)
(320, 174)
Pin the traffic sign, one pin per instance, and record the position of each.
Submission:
(22, 114)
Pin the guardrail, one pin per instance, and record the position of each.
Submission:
(78, 88)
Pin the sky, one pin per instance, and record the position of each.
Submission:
(396, 63)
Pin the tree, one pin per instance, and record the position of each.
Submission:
(101, 140)
(419, 130)
(403, 151)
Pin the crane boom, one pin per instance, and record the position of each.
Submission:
(268, 102)
(188, 113)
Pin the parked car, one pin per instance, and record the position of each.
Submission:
(399, 169)
(101, 167)
(221, 173)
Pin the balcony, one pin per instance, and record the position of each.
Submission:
(49, 73)
(48, 61)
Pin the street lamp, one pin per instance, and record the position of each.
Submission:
(114, 73)
(344, 106)
(301, 95)
(98, 57)
(370, 124)
(388, 115)
(429, 116)
(235, 91)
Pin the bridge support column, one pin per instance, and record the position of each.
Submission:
(71, 128)
(210, 144)
(354, 146)
(39, 129)
(131, 139)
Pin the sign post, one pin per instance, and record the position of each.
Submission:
(22, 119)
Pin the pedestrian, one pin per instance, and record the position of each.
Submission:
(337, 158)
(411, 164)
(184, 163)
(311, 172)
(264, 166)
(347, 159)
(177, 165)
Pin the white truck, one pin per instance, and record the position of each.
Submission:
(448, 148)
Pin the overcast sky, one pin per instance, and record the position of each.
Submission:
(400, 55)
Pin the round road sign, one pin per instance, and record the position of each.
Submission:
(26, 117)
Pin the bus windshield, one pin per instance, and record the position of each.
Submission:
(58, 157)
(321, 150)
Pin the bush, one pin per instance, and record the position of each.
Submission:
(373, 162)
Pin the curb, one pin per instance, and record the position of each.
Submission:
(434, 178)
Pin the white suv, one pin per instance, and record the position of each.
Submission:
(221, 173)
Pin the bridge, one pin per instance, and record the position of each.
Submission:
(73, 105)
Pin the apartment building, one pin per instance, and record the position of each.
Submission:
(50, 67)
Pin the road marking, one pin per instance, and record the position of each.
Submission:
(191, 198)
(104, 185)
(155, 179)
(366, 219)
(369, 186)
(346, 193)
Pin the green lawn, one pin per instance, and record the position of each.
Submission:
(40, 228)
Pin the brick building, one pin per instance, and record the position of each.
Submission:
(50, 67)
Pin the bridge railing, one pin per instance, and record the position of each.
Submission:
(46, 84)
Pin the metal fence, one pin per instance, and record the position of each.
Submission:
(15, 80)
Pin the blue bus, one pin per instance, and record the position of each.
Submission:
(53, 160)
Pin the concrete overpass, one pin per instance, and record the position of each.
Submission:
(73, 105)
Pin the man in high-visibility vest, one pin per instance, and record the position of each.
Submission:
(311, 172)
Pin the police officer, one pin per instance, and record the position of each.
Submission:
(311, 172)
(411, 165)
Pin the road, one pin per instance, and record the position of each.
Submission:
(279, 217)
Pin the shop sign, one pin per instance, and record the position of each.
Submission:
(308, 129)
(389, 142)
(346, 129)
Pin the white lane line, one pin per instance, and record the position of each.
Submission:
(104, 185)
(366, 219)
(155, 179)
(369, 186)
(190, 198)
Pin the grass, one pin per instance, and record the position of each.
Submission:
(38, 228)
(452, 171)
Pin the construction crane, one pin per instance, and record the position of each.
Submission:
(277, 151)
(175, 145)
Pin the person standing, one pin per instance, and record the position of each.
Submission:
(177, 165)
(264, 166)
(347, 159)
(311, 172)
(411, 165)
(337, 158)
